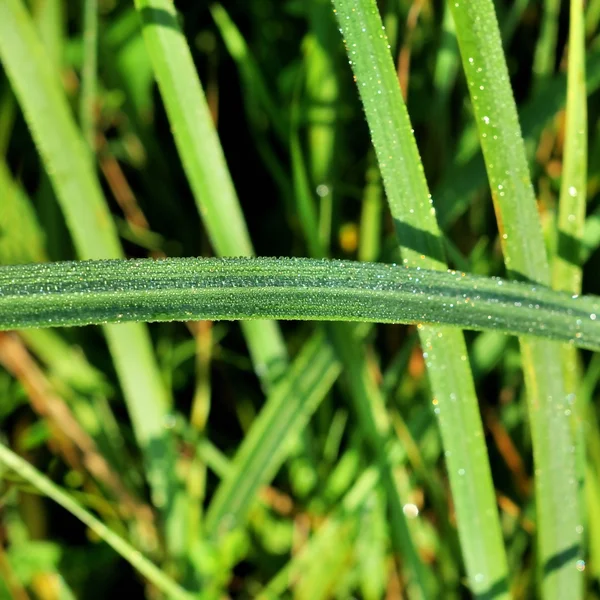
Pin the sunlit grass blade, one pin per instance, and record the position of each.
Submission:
(558, 514)
(454, 193)
(286, 411)
(204, 162)
(37, 86)
(157, 577)
(444, 349)
(566, 269)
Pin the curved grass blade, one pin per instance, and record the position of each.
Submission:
(117, 543)
(87, 292)
(559, 520)
(421, 246)
(204, 163)
(67, 161)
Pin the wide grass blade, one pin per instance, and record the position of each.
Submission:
(558, 513)
(86, 292)
(37, 86)
(445, 352)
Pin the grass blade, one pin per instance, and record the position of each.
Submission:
(36, 85)
(559, 520)
(287, 409)
(87, 105)
(82, 293)
(421, 247)
(128, 552)
(204, 162)
(566, 269)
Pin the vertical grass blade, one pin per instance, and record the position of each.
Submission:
(89, 73)
(204, 162)
(558, 514)
(566, 267)
(36, 85)
(566, 270)
(444, 349)
(545, 52)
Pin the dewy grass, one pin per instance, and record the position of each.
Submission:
(67, 161)
(558, 512)
(91, 292)
(307, 488)
(444, 350)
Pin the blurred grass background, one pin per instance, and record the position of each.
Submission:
(307, 518)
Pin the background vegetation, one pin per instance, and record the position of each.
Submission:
(294, 459)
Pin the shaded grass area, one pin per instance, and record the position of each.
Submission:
(293, 459)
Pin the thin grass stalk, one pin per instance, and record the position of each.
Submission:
(87, 112)
(36, 84)
(566, 265)
(204, 163)
(545, 52)
(133, 556)
(445, 353)
(558, 514)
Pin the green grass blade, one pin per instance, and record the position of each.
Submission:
(566, 270)
(545, 52)
(89, 73)
(67, 161)
(87, 292)
(286, 411)
(117, 543)
(559, 520)
(421, 247)
(204, 162)
(453, 194)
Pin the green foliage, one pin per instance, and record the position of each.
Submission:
(346, 438)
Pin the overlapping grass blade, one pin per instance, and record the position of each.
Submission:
(37, 86)
(286, 411)
(566, 269)
(558, 513)
(444, 349)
